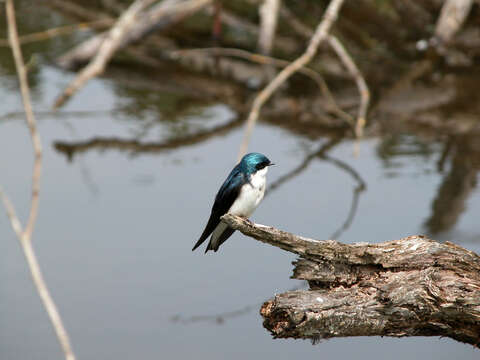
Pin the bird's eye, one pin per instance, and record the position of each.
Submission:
(261, 165)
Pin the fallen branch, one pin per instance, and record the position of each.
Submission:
(108, 47)
(453, 15)
(320, 34)
(24, 235)
(127, 30)
(408, 287)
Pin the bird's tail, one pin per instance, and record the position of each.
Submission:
(218, 239)
(198, 243)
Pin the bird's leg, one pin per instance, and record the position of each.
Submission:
(249, 221)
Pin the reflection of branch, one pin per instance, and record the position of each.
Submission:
(221, 317)
(263, 59)
(135, 146)
(25, 235)
(361, 186)
(320, 34)
(457, 184)
(296, 171)
(322, 154)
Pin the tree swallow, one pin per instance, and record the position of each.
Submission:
(239, 195)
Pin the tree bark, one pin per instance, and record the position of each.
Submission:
(414, 286)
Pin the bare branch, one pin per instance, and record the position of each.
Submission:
(32, 125)
(25, 235)
(12, 216)
(319, 36)
(359, 80)
(106, 51)
(347, 61)
(268, 25)
(408, 287)
(453, 15)
(116, 38)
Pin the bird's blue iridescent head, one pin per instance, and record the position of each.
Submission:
(253, 162)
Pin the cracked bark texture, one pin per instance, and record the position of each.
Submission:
(414, 286)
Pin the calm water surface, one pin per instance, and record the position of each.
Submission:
(116, 227)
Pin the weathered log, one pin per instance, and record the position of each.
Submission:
(414, 286)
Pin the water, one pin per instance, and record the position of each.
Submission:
(117, 223)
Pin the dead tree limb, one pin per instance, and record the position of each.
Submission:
(320, 34)
(408, 287)
(24, 235)
(268, 25)
(127, 30)
(453, 15)
(107, 48)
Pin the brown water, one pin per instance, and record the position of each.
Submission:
(118, 220)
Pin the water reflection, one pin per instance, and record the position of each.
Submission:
(455, 158)
(136, 147)
(457, 184)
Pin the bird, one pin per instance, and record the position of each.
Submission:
(240, 194)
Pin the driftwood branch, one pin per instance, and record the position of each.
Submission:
(408, 287)
(24, 235)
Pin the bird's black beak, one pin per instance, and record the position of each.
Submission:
(271, 164)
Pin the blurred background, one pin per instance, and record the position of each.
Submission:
(133, 161)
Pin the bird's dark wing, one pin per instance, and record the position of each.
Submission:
(223, 201)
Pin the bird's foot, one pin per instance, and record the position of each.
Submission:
(250, 222)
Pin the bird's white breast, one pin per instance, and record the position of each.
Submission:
(250, 195)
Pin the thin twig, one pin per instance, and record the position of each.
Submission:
(319, 36)
(347, 61)
(25, 236)
(62, 30)
(32, 126)
(359, 80)
(12, 216)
